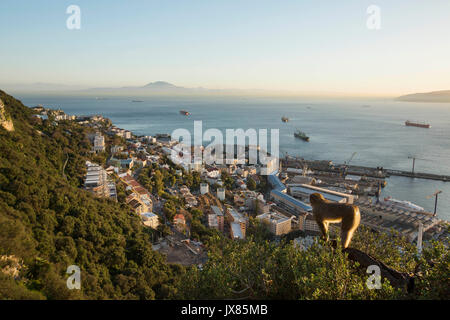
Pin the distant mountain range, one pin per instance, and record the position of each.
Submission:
(152, 88)
(434, 96)
(164, 88)
(161, 85)
(157, 87)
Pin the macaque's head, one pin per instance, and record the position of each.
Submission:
(316, 198)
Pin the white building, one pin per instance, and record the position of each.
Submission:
(99, 142)
(127, 134)
(213, 221)
(235, 231)
(303, 191)
(278, 223)
(289, 203)
(60, 117)
(150, 219)
(213, 173)
(116, 149)
(204, 188)
(221, 193)
(270, 167)
(234, 217)
(307, 223)
(97, 182)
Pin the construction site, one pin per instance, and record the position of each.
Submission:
(181, 251)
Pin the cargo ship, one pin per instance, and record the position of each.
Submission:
(417, 124)
(301, 135)
(284, 119)
(184, 112)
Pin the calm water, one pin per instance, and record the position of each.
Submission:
(373, 129)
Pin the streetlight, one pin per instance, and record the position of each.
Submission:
(436, 199)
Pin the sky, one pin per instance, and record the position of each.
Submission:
(293, 45)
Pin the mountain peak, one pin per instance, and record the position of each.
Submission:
(159, 84)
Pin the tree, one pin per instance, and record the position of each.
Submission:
(170, 210)
(251, 184)
(264, 270)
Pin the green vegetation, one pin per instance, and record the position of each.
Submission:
(49, 222)
(251, 184)
(227, 180)
(263, 270)
(156, 179)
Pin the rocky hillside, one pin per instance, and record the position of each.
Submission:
(5, 119)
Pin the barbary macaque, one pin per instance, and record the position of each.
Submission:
(325, 212)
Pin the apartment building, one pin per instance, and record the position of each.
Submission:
(278, 224)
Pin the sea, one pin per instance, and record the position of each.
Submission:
(371, 129)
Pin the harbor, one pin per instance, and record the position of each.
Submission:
(361, 186)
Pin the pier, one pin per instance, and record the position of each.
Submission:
(419, 175)
(382, 173)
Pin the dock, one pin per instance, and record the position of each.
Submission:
(420, 175)
(382, 173)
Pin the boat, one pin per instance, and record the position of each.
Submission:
(402, 204)
(417, 124)
(184, 112)
(301, 135)
(284, 119)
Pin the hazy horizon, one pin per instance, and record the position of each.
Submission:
(64, 89)
(289, 48)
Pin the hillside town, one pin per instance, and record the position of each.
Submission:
(230, 199)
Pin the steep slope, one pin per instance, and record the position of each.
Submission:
(5, 119)
(49, 223)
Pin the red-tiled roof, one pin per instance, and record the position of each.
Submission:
(135, 204)
(179, 216)
(141, 190)
(134, 184)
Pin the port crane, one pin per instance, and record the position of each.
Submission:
(347, 163)
(414, 158)
(435, 200)
(350, 159)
